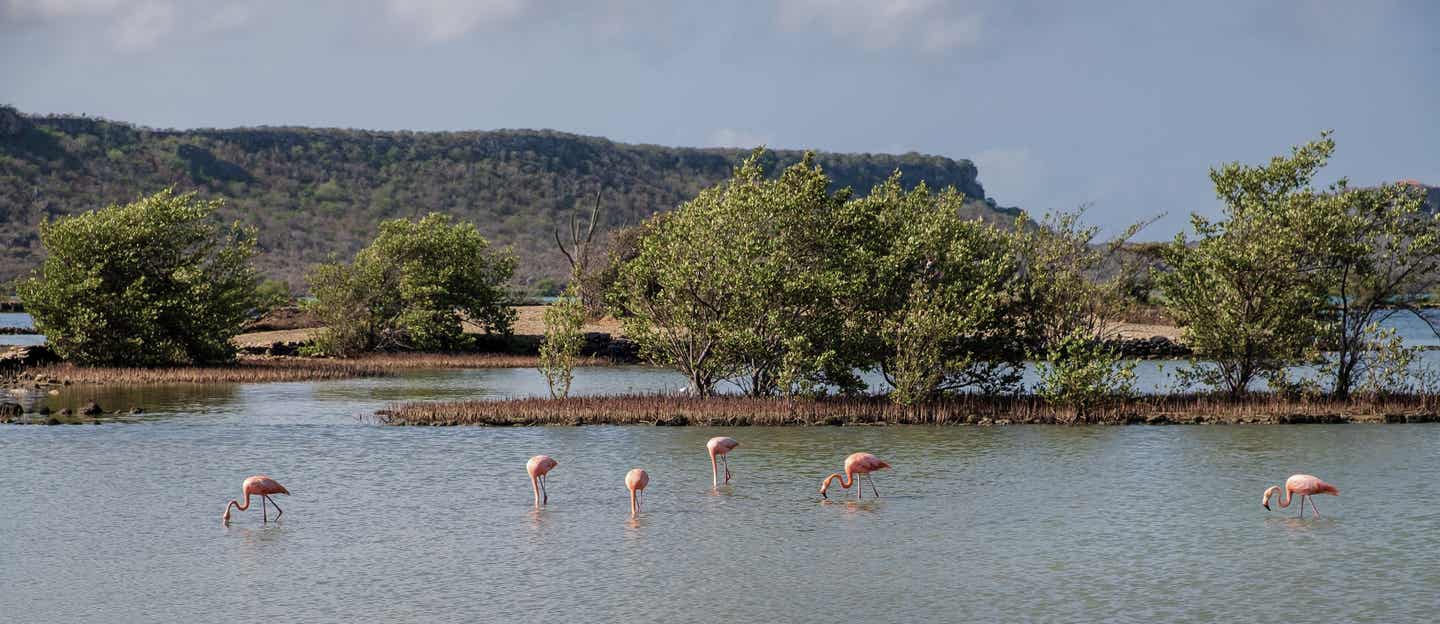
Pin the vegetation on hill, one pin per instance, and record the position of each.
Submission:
(314, 194)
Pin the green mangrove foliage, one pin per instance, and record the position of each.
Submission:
(563, 340)
(933, 294)
(411, 288)
(791, 288)
(1293, 272)
(1083, 373)
(1375, 246)
(741, 282)
(153, 282)
(1241, 291)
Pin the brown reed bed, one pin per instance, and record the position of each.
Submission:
(271, 369)
(417, 361)
(242, 371)
(851, 411)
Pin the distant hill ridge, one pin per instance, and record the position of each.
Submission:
(314, 193)
(1432, 194)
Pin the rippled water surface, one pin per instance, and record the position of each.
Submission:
(120, 522)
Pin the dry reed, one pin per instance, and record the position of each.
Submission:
(267, 369)
(964, 410)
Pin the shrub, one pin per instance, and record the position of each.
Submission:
(412, 288)
(1083, 373)
(563, 339)
(153, 282)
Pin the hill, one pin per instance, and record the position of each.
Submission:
(314, 193)
(1432, 194)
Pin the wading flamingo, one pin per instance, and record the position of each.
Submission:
(720, 446)
(635, 481)
(1304, 485)
(538, 467)
(262, 486)
(856, 464)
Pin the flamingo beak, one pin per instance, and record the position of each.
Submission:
(1266, 505)
(823, 494)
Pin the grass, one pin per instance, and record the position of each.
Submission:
(254, 370)
(966, 410)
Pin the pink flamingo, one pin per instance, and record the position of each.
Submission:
(1304, 485)
(720, 446)
(262, 486)
(635, 481)
(538, 467)
(856, 464)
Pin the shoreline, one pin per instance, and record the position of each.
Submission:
(253, 369)
(735, 411)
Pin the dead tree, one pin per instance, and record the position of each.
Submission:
(579, 252)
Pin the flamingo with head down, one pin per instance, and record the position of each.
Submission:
(262, 486)
(856, 465)
(720, 446)
(635, 481)
(1304, 485)
(538, 467)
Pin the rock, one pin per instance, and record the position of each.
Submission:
(136, 410)
(16, 358)
(91, 409)
(54, 393)
(622, 351)
(65, 411)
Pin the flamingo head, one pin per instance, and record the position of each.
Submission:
(1265, 502)
(225, 519)
(823, 487)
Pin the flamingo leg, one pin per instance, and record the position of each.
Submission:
(263, 515)
(278, 511)
(726, 460)
(872, 485)
(544, 495)
(1313, 510)
(859, 487)
(1302, 507)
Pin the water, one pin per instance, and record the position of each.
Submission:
(120, 523)
(18, 319)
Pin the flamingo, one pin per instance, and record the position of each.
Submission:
(720, 446)
(1304, 485)
(635, 481)
(538, 467)
(262, 486)
(856, 464)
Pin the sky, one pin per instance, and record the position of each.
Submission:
(1119, 106)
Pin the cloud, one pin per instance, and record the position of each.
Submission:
(128, 25)
(445, 20)
(58, 9)
(930, 25)
(230, 17)
(1010, 174)
(143, 26)
(731, 137)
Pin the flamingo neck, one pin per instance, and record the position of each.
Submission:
(714, 471)
(634, 509)
(1282, 499)
(238, 506)
(845, 480)
(535, 485)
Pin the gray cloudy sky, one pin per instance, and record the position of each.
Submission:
(1123, 105)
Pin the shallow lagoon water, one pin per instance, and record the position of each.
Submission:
(120, 522)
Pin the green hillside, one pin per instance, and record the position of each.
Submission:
(317, 192)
